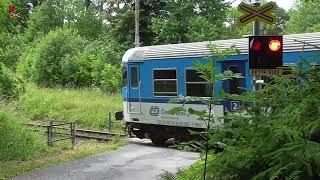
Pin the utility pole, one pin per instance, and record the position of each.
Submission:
(256, 31)
(136, 22)
(256, 23)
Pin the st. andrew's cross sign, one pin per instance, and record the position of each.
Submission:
(262, 13)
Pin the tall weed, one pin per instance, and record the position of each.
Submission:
(16, 142)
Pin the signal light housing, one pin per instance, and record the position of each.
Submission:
(265, 52)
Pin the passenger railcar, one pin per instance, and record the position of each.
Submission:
(153, 75)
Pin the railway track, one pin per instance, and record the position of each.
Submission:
(81, 133)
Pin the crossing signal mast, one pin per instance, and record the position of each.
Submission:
(265, 52)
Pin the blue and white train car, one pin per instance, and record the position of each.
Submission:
(153, 75)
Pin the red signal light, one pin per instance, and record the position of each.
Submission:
(11, 8)
(265, 52)
(256, 45)
(274, 45)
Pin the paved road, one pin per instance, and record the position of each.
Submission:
(139, 160)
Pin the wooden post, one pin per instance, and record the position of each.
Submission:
(49, 129)
(110, 122)
(136, 22)
(73, 133)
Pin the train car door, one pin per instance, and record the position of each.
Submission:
(134, 85)
(233, 86)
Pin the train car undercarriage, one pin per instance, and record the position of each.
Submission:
(159, 134)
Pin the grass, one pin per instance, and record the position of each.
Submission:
(88, 107)
(195, 171)
(60, 153)
(17, 142)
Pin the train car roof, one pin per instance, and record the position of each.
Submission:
(291, 43)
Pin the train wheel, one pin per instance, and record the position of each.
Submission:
(158, 141)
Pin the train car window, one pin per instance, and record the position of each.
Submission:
(165, 74)
(196, 86)
(124, 76)
(234, 84)
(165, 82)
(134, 77)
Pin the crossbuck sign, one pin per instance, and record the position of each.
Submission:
(262, 13)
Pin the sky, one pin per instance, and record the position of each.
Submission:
(286, 4)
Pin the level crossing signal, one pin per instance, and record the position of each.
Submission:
(265, 52)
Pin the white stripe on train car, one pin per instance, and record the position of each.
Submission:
(157, 113)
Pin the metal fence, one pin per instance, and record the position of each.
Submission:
(59, 131)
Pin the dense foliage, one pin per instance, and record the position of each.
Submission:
(61, 59)
(50, 60)
(16, 142)
(305, 17)
(10, 85)
(11, 48)
(276, 137)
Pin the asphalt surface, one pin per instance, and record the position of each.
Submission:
(139, 160)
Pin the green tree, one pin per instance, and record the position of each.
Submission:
(99, 64)
(49, 61)
(121, 20)
(46, 17)
(69, 13)
(278, 28)
(234, 30)
(305, 17)
(10, 85)
(182, 21)
(11, 47)
(166, 21)
(13, 23)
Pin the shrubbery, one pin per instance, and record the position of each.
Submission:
(277, 137)
(49, 61)
(99, 64)
(11, 47)
(10, 85)
(16, 142)
(62, 58)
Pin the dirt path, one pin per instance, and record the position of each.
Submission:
(139, 160)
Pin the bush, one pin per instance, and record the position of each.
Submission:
(50, 60)
(62, 59)
(111, 78)
(100, 64)
(10, 49)
(16, 142)
(10, 85)
(281, 142)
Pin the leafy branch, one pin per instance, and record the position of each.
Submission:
(208, 72)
